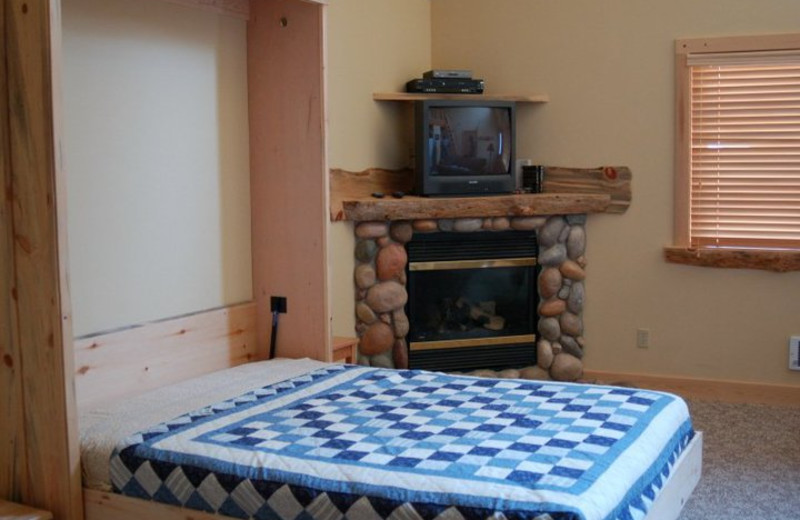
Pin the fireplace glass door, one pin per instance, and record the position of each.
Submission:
(472, 301)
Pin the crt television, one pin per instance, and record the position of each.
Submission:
(464, 147)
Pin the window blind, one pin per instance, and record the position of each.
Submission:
(745, 150)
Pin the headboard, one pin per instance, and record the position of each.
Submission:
(112, 366)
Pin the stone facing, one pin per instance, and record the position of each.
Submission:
(380, 289)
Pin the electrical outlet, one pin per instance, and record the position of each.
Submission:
(794, 353)
(643, 338)
(278, 304)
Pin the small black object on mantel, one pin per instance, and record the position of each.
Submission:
(532, 178)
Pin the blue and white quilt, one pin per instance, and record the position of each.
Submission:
(365, 443)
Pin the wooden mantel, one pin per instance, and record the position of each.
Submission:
(518, 205)
(570, 191)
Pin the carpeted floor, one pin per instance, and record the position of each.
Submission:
(751, 462)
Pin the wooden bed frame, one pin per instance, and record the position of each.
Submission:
(170, 351)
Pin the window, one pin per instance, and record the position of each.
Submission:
(738, 151)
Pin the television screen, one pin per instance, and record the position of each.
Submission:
(474, 140)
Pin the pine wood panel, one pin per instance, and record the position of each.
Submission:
(43, 314)
(12, 434)
(12, 511)
(127, 362)
(288, 179)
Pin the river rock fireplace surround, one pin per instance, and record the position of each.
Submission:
(557, 218)
(381, 294)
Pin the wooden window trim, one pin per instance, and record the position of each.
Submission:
(778, 261)
(681, 252)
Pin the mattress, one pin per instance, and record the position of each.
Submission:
(313, 440)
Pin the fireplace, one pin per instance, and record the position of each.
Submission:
(472, 300)
(554, 244)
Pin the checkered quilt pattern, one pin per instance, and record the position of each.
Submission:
(363, 443)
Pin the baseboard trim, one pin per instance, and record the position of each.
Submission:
(706, 389)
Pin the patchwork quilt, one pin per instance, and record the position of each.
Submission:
(365, 443)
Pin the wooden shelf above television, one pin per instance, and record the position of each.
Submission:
(408, 96)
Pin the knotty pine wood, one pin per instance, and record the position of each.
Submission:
(344, 349)
(12, 433)
(13, 511)
(345, 185)
(761, 259)
(289, 178)
(614, 181)
(166, 352)
(566, 191)
(521, 205)
(52, 477)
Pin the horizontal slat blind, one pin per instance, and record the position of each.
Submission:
(745, 150)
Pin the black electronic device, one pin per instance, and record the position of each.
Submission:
(447, 73)
(532, 179)
(464, 147)
(445, 86)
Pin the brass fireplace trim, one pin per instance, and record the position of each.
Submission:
(471, 342)
(471, 264)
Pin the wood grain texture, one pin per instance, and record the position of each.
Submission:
(347, 185)
(764, 260)
(12, 433)
(609, 180)
(127, 362)
(52, 477)
(288, 174)
(706, 389)
(12, 511)
(523, 205)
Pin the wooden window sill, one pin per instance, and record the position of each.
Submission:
(764, 259)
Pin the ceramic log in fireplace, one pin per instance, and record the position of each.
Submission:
(472, 300)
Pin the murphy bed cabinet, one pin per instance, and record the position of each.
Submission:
(39, 459)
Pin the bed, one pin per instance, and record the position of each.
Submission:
(305, 439)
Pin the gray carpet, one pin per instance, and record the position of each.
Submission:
(751, 462)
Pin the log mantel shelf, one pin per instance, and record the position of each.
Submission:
(518, 205)
(567, 191)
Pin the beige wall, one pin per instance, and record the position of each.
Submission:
(156, 157)
(373, 46)
(608, 68)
